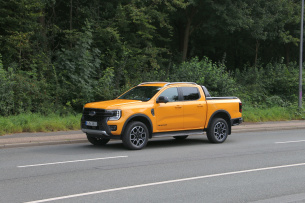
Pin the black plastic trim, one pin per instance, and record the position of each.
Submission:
(215, 98)
(100, 134)
(221, 111)
(236, 121)
(206, 92)
(105, 126)
(138, 115)
(105, 114)
(180, 94)
(177, 133)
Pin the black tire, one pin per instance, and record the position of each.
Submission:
(218, 131)
(97, 141)
(181, 137)
(135, 136)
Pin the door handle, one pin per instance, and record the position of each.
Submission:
(200, 105)
(178, 106)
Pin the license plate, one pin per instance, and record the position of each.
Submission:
(91, 123)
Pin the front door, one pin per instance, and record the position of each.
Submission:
(169, 115)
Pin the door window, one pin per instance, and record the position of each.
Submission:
(171, 94)
(190, 93)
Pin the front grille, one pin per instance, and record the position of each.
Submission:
(96, 115)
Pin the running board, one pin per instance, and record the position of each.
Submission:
(178, 133)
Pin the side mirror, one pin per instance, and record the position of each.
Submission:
(162, 99)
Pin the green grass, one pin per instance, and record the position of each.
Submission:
(251, 114)
(38, 123)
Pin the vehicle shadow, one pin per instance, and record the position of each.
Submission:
(171, 142)
(152, 143)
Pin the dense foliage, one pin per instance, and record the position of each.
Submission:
(57, 55)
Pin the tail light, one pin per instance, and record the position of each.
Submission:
(240, 107)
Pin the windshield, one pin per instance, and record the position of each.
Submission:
(143, 93)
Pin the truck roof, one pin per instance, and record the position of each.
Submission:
(165, 83)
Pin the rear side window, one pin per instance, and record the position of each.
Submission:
(190, 93)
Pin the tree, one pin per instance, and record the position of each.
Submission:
(18, 30)
(270, 20)
(206, 16)
(76, 69)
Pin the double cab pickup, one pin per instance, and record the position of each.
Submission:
(159, 109)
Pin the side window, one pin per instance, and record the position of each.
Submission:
(171, 94)
(190, 93)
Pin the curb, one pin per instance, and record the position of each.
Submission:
(73, 137)
(41, 143)
(270, 126)
(42, 138)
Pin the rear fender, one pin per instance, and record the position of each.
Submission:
(221, 114)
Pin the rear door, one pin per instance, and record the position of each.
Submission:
(194, 108)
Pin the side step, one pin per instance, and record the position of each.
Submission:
(178, 133)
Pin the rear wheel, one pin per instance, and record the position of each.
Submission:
(96, 140)
(218, 131)
(135, 136)
(181, 137)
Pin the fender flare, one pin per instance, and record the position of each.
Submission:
(228, 119)
(139, 115)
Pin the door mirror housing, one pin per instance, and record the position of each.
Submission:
(162, 99)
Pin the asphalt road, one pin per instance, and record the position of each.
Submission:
(249, 167)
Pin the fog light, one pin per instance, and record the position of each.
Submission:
(113, 127)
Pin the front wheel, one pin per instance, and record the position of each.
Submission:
(97, 141)
(135, 135)
(218, 131)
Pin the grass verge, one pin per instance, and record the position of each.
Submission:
(252, 114)
(38, 123)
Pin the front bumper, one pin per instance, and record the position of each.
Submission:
(100, 116)
(99, 134)
(95, 132)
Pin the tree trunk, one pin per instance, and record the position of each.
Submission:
(256, 52)
(186, 39)
(188, 30)
(71, 4)
(43, 30)
(287, 52)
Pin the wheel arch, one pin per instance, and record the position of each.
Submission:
(221, 114)
(142, 118)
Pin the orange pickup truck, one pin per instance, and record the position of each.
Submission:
(158, 109)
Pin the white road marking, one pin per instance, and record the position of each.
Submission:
(63, 162)
(165, 182)
(290, 142)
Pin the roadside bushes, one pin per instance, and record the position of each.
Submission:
(6, 90)
(214, 76)
(276, 84)
(76, 69)
(63, 87)
(21, 93)
(265, 86)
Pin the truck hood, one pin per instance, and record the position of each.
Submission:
(112, 104)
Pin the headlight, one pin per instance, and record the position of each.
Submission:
(116, 115)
